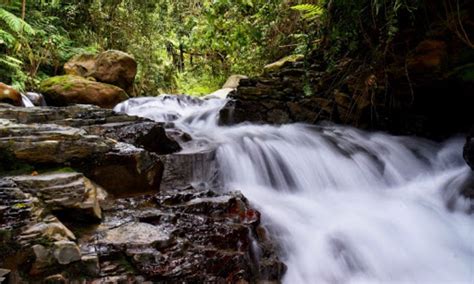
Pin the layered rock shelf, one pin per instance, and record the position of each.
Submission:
(90, 194)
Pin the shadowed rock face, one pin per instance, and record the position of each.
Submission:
(469, 149)
(406, 98)
(125, 170)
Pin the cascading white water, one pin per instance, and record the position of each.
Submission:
(346, 206)
(26, 101)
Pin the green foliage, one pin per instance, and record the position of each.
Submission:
(15, 24)
(189, 46)
(309, 12)
(198, 85)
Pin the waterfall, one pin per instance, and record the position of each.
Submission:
(26, 101)
(344, 205)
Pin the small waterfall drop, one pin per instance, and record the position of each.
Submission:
(26, 101)
(345, 206)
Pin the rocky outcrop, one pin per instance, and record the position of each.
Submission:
(86, 138)
(111, 67)
(279, 96)
(179, 235)
(174, 237)
(9, 95)
(149, 135)
(406, 96)
(69, 89)
(82, 198)
(71, 195)
(182, 169)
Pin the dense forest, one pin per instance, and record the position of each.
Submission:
(236, 141)
(193, 46)
(181, 46)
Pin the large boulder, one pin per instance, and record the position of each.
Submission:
(117, 68)
(80, 65)
(10, 96)
(70, 89)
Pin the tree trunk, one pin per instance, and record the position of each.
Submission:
(23, 9)
(181, 57)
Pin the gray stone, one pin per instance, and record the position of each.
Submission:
(70, 192)
(66, 252)
(136, 234)
(49, 143)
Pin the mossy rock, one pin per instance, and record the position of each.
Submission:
(71, 89)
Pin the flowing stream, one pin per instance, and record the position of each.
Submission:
(344, 205)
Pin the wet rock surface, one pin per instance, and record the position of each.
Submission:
(187, 235)
(86, 138)
(49, 143)
(89, 194)
(190, 236)
(70, 194)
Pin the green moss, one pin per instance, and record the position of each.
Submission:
(65, 82)
(20, 206)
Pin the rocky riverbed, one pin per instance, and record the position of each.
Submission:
(91, 195)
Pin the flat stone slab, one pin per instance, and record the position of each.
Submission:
(136, 234)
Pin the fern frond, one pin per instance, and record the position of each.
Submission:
(309, 11)
(15, 24)
(7, 38)
(11, 62)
